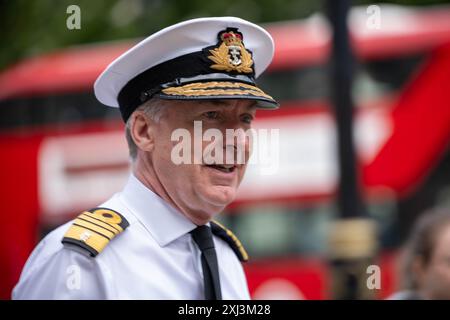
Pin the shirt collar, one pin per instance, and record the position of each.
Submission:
(161, 220)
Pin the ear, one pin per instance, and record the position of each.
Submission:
(143, 131)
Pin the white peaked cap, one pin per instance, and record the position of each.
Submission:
(178, 63)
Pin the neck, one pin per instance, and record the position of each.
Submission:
(146, 174)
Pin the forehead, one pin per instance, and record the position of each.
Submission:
(443, 236)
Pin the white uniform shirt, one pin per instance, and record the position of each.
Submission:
(154, 258)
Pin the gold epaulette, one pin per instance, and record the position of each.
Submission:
(92, 230)
(226, 234)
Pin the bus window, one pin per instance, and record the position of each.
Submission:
(280, 230)
(55, 110)
(302, 84)
(373, 78)
(378, 77)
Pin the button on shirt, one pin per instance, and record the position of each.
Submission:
(154, 258)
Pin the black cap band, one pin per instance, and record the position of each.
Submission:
(194, 66)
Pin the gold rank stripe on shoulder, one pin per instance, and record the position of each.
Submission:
(221, 231)
(92, 230)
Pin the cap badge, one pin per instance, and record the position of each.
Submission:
(231, 54)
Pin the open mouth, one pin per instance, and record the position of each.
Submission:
(222, 167)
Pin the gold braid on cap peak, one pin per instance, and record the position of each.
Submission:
(230, 238)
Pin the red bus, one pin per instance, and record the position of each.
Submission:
(63, 152)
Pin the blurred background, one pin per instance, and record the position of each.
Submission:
(62, 152)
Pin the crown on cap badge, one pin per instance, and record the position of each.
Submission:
(231, 54)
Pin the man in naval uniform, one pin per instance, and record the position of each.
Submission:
(156, 239)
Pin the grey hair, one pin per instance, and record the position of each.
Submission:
(153, 109)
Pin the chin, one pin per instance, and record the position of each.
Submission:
(220, 196)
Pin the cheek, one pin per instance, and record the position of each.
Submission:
(165, 168)
(162, 153)
(241, 173)
(444, 272)
(436, 278)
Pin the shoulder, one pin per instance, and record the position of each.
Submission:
(97, 229)
(50, 268)
(74, 244)
(46, 249)
(92, 230)
(230, 238)
(76, 236)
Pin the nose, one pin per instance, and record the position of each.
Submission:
(237, 145)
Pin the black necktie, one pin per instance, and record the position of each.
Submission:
(202, 236)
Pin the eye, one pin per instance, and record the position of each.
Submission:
(212, 115)
(247, 118)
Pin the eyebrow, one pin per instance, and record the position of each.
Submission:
(223, 103)
(253, 106)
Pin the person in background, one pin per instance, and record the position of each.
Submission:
(426, 265)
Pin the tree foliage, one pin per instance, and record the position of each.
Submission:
(35, 27)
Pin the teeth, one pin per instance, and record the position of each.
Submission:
(224, 168)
